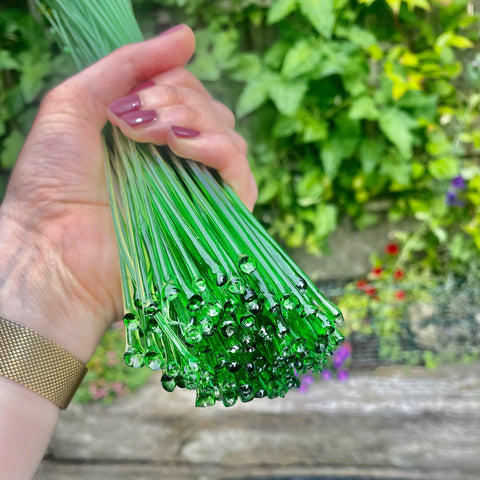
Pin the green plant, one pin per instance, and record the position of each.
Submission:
(28, 67)
(107, 378)
(410, 315)
(354, 108)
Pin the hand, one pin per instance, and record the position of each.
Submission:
(60, 270)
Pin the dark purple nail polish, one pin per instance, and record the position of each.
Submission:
(172, 30)
(184, 132)
(124, 105)
(140, 117)
(143, 86)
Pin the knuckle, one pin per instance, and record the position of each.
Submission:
(190, 115)
(240, 142)
(171, 95)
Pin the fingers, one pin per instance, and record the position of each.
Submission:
(112, 77)
(175, 109)
(169, 103)
(179, 76)
(221, 151)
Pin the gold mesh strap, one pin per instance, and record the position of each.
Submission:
(38, 363)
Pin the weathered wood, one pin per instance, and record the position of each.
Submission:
(118, 471)
(397, 419)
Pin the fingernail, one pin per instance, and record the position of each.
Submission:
(143, 86)
(172, 30)
(141, 117)
(124, 105)
(184, 132)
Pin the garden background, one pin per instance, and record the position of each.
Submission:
(358, 114)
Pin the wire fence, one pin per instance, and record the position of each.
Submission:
(439, 324)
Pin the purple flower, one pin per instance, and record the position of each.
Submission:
(452, 199)
(342, 375)
(326, 374)
(458, 183)
(341, 355)
(305, 383)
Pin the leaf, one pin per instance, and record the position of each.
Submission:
(438, 143)
(274, 56)
(302, 58)
(253, 95)
(444, 168)
(314, 128)
(287, 95)
(224, 46)
(310, 188)
(11, 148)
(370, 154)
(286, 126)
(33, 71)
(332, 157)
(396, 125)
(340, 145)
(363, 108)
(269, 191)
(205, 68)
(450, 39)
(360, 36)
(321, 14)
(244, 66)
(325, 219)
(400, 173)
(7, 62)
(279, 9)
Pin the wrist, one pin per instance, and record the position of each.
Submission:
(36, 291)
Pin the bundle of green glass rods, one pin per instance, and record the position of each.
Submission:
(211, 299)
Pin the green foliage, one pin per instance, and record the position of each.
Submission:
(108, 377)
(347, 105)
(410, 316)
(28, 67)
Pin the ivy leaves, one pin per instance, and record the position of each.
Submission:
(286, 95)
(320, 14)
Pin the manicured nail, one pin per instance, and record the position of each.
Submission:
(140, 117)
(143, 86)
(124, 105)
(174, 29)
(184, 132)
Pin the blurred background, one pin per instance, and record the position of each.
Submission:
(363, 124)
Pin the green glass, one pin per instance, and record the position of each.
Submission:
(211, 299)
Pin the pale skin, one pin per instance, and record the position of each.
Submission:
(59, 269)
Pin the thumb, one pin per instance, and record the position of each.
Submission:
(118, 73)
(55, 151)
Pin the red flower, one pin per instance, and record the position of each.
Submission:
(364, 286)
(398, 274)
(370, 291)
(361, 284)
(400, 295)
(376, 271)
(392, 249)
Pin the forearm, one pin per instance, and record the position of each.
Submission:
(30, 296)
(27, 422)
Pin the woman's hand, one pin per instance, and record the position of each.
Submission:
(59, 268)
(59, 273)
